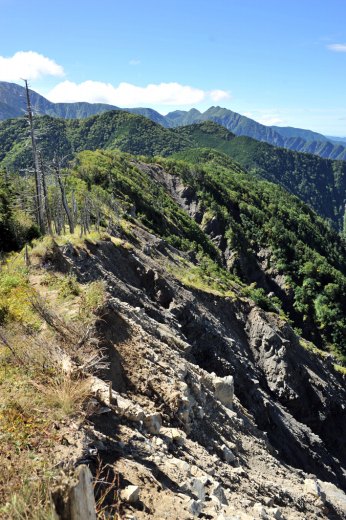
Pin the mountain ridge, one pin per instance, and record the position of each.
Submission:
(319, 182)
(12, 104)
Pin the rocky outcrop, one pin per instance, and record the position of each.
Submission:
(211, 408)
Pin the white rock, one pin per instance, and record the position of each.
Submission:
(130, 494)
(334, 495)
(312, 488)
(224, 389)
(174, 435)
(223, 517)
(153, 423)
(204, 479)
(268, 501)
(200, 412)
(128, 409)
(181, 465)
(215, 503)
(276, 513)
(260, 511)
(227, 454)
(239, 471)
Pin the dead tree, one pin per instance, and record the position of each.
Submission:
(40, 210)
(69, 214)
(45, 195)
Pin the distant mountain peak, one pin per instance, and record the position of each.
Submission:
(13, 104)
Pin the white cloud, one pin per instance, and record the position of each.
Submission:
(128, 95)
(134, 62)
(337, 47)
(28, 65)
(219, 95)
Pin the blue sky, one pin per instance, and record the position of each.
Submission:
(277, 61)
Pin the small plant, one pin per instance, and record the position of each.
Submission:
(258, 295)
(64, 393)
(106, 490)
(92, 297)
(68, 286)
(30, 498)
(15, 294)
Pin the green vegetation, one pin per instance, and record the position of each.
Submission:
(110, 130)
(16, 226)
(108, 172)
(321, 183)
(295, 139)
(256, 215)
(12, 104)
(234, 234)
(250, 215)
(37, 392)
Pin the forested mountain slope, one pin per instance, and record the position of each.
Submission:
(12, 104)
(259, 232)
(319, 182)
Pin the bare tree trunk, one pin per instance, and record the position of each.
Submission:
(39, 205)
(45, 194)
(63, 198)
(74, 207)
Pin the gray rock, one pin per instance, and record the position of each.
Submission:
(174, 435)
(276, 513)
(198, 489)
(228, 455)
(195, 507)
(260, 512)
(219, 493)
(153, 423)
(224, 390)
(181, 465)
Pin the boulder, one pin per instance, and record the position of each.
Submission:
(224, 390)
(174, 435)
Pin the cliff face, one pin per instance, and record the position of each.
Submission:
(216, 410)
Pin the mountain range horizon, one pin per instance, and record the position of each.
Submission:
(13, 104)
